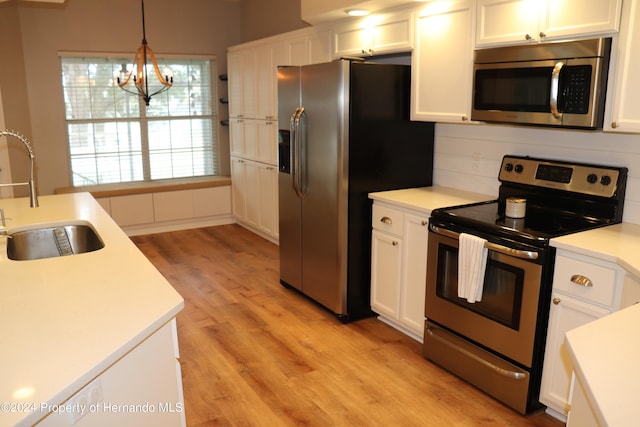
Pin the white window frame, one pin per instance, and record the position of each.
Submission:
(143, 122)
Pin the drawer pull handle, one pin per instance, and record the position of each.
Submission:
(581, 280)
(394, 243)
(424, 222)
(385, 220)
(557, 301)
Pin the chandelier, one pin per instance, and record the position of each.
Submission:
(140, 70)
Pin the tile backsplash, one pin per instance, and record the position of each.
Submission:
(468, 157)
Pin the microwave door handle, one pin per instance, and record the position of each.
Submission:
(555, 85)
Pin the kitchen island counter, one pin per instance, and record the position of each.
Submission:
(65, 320)
(605, 354)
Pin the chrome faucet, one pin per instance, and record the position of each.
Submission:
(33, 197)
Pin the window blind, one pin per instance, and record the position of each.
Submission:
(114, 138)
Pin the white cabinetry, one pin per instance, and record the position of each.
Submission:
(148, 378)
(526, 21)
(399, 267)
(375, 35)
(253, 126)
(442, 63)
(255, 201)
(584, 289)
(623, 109)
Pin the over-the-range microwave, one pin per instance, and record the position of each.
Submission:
(554, 84)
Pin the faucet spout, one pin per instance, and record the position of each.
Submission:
(33, 196)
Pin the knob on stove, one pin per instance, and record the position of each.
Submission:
(519, 168)
(508, 167)
(605, 180)
(592, 178)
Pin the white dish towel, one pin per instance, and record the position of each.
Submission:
(472, 263)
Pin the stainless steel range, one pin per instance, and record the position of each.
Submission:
(495, 338)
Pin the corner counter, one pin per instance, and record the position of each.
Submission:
(605, 351)
(606, 382)
(65, 321)
(617, 243)
(426, 199)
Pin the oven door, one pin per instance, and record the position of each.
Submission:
(504, 321)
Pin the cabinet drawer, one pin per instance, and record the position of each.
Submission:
(387, 219)
(603, 280)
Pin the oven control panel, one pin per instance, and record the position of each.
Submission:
(579, 178)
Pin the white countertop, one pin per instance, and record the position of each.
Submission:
(65, 320)
(426, 199)
(619, 243)
(605, 353)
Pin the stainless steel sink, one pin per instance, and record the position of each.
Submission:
(53, 241)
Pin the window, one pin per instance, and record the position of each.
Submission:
(114, 138)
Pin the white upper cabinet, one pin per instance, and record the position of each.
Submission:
(374, 35)
(442, 62)
(622, 113)
(531, 21)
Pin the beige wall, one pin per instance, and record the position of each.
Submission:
(32, 37)
(14, 92)
(178, 27)
(264, 18)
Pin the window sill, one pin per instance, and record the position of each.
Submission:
(113, 190)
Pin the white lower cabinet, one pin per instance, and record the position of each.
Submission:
(399, 267)
(143, 388)
(255, 196)
(584, 289)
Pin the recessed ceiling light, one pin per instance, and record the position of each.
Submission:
(357, 12)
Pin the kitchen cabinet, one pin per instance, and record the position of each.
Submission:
(255, 195)
(622, 113)
(375, 35)
(169, 210)
(149, 375)
(442, 63)
(253, 121)
(254, 139)
(584, 289)
(309, 47)
(526, 21)
(242, 68)
(399, 267)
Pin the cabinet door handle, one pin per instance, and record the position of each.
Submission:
(394, 243)
(556, 301)
(386, 220)
(581, 280)
(424, 222)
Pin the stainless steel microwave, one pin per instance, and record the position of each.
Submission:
(551, 84)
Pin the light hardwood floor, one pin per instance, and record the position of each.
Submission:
(254, 353)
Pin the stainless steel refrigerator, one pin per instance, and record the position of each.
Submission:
(344, 131)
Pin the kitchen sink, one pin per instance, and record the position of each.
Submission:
(53, 241)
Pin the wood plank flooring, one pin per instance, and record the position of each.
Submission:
(254, 353)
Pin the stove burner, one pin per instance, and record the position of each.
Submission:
(538, 225)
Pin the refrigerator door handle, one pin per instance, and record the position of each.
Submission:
(296, 155)
(293, 127)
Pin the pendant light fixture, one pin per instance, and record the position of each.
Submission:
(138, 75)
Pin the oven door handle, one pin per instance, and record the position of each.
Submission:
(517, 253)
(433, 332)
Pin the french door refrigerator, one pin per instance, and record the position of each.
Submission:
(344, 131)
